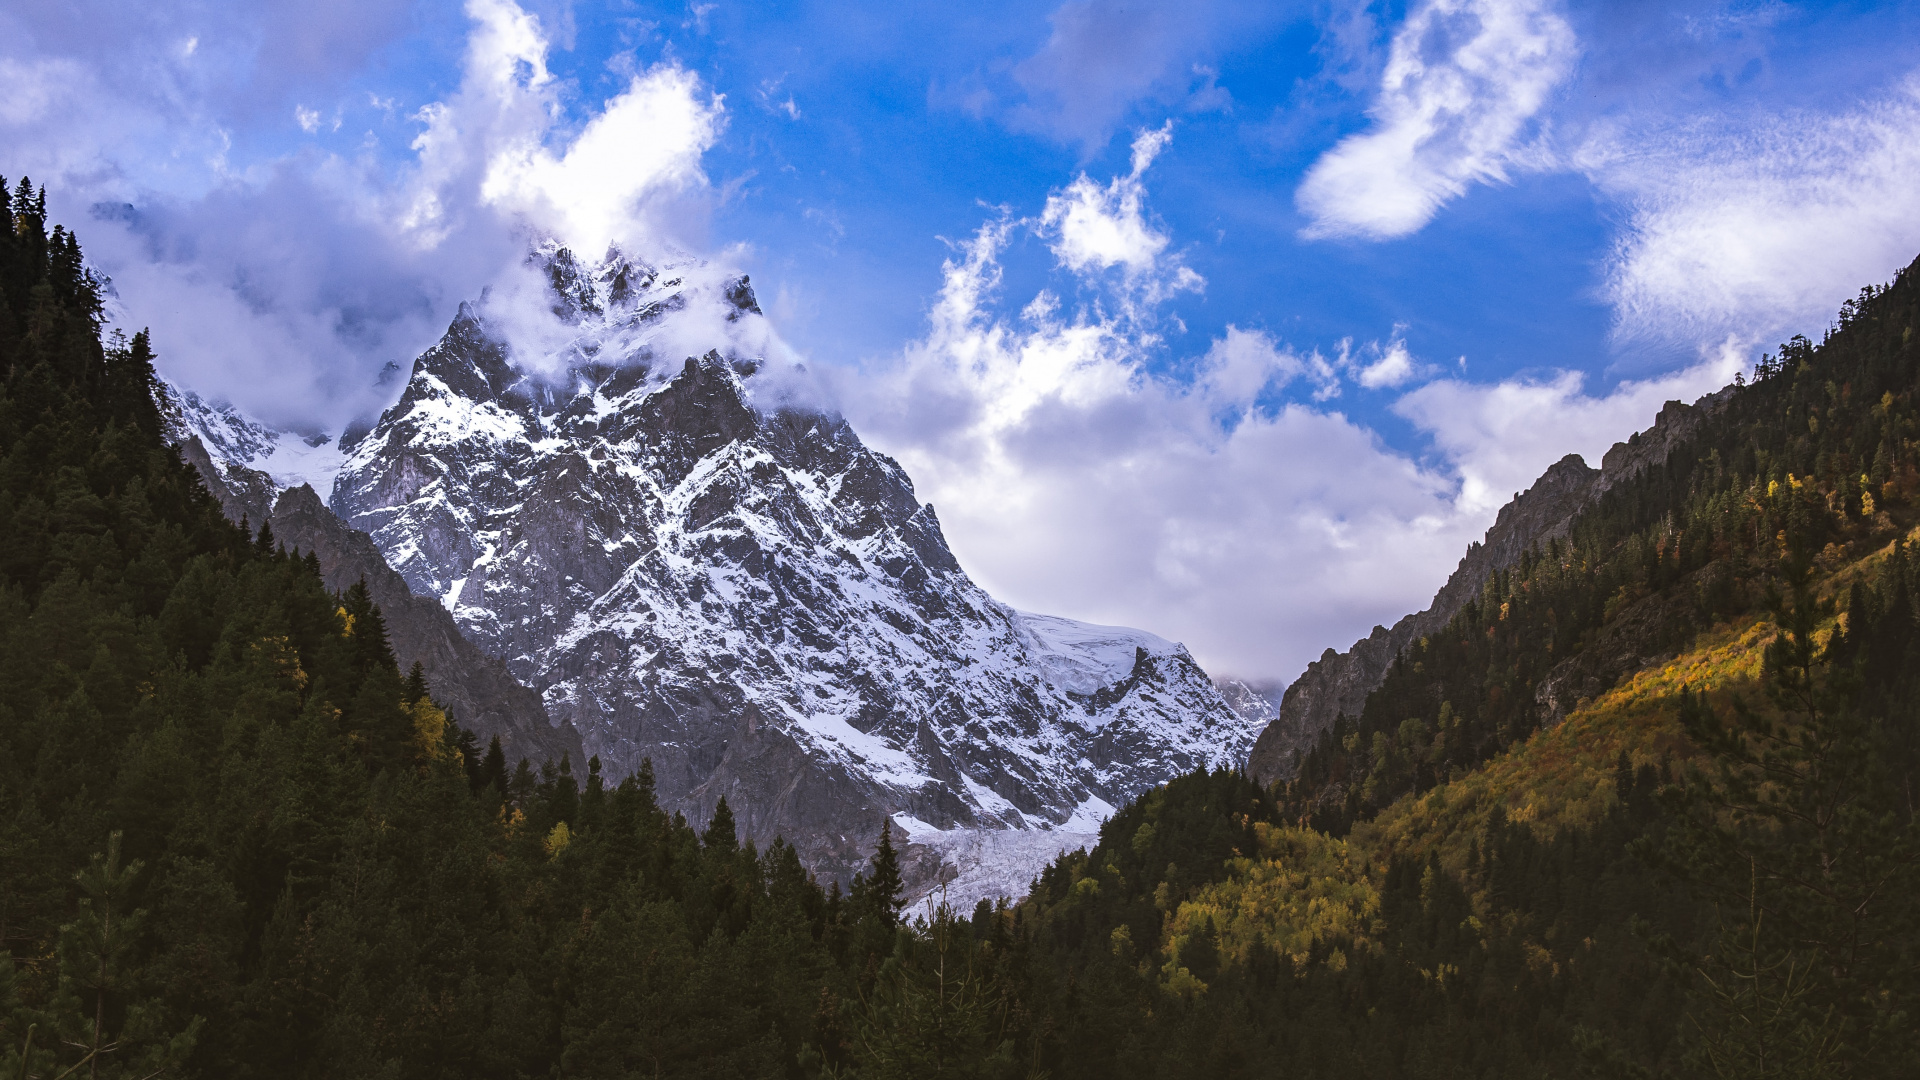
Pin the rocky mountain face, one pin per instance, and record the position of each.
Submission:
(1338, 683)
(687, 571)
(473, 686)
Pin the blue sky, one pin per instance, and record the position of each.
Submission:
(1319, 285)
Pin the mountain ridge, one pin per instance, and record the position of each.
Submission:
(1338, 682)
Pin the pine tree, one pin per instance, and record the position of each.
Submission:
(415, 687)
(98, 973)
(493, 770)
(1796, 834)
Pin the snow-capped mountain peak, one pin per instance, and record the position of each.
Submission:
(750, 597)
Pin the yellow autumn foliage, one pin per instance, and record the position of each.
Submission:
(557, 840)
(1303, 889)
(430, 730)
(278, 653)
(1563, 777)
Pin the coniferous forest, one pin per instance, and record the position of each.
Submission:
(237, 841)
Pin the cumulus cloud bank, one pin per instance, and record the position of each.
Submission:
(1498, 437)
(1070, 480)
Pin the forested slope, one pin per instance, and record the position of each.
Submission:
(236, 841)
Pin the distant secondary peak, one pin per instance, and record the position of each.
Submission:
(740, 293)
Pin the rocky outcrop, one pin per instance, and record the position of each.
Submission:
(1256, 702)
(245, 495)
(1338, 683)
(475, 688)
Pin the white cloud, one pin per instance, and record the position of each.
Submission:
(1091, 229)
(1241, 365)
(644, 147)
(621, 178)
(1463, 80)
(1758, 225)
(1499, 437)
(1392, 366)
(285, 285)
(1072, 479)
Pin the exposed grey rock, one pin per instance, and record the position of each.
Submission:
(474, 687)
(1257, 702)
(246, 496)
(1338, 683)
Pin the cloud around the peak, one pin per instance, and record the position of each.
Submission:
(1464, 80)
(500, 144)
(287, 285)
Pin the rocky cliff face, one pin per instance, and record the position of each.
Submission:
(1338, 683)
(746, 594)
(474, 687)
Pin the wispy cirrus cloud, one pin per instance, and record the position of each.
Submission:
(1757, 225)
(1741, 217)
(1464, 79)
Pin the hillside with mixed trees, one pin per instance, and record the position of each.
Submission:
(1645, 808)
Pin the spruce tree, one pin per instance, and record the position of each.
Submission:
(879, 892)
(493, 769)
(721, 834)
